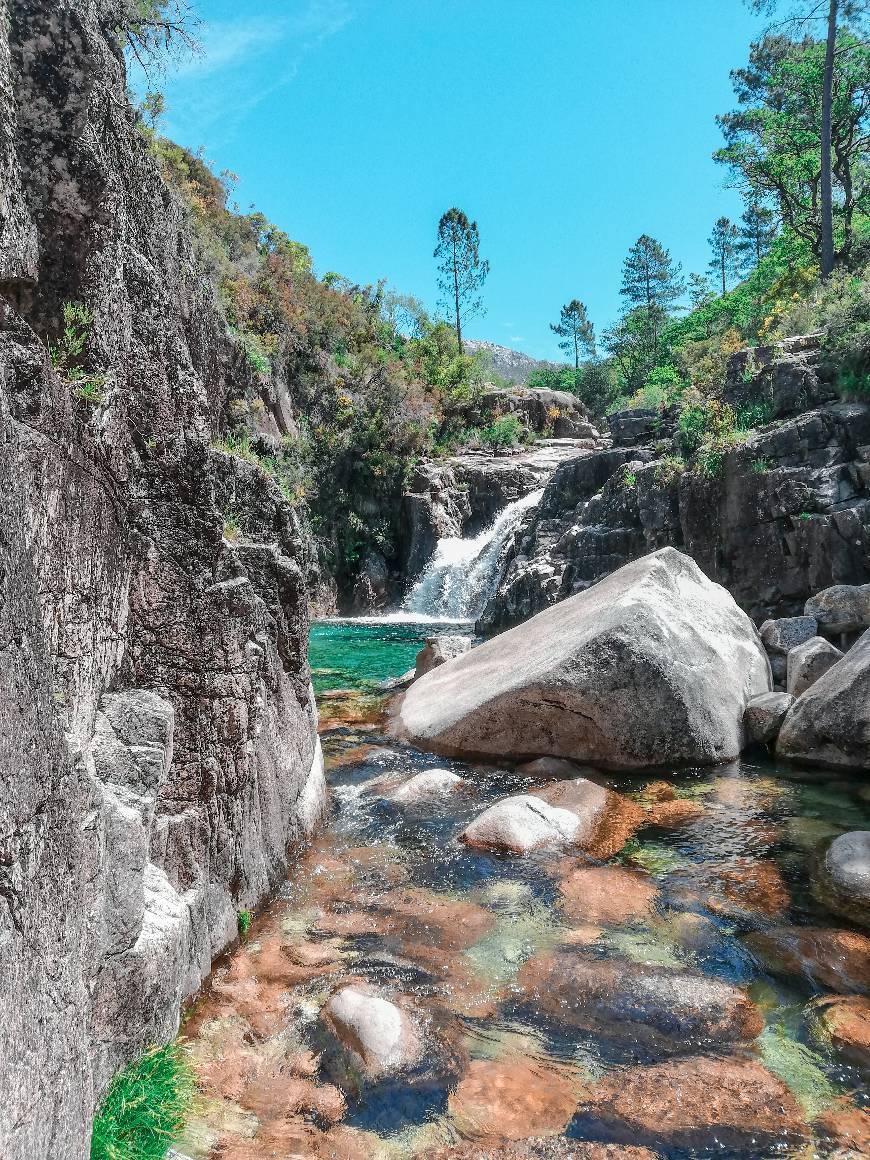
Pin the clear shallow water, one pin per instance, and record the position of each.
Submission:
(389, 896)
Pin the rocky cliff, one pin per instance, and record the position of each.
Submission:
(787, 514)
(158, 749)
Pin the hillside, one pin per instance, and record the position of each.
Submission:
(506, 363)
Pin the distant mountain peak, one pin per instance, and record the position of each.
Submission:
(507, 363)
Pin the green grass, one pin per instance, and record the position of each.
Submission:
(245, 919)
(145, 1107)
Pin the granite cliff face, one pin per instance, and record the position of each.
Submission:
(788, 515)
(158, 748)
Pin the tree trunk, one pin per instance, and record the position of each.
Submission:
(576, 355)
(723, 274)
(456, 298)
(827, 201)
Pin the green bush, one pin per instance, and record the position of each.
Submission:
(506, 431)
(245, 919)
(145, 1108)
(68, 353)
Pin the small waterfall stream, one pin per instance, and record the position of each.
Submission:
(463, 573)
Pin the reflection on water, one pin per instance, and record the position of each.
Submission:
(677, 1024)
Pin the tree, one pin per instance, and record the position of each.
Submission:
(700, 291)
(801, 135)
(802, 17)
(723, 242)
(462, 271)
(575, 331)
(629, 342)
(152, 28)
(651, 283)
(757, 230)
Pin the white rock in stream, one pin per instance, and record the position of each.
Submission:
(521, 824)
(376, 1036)
(427, 786)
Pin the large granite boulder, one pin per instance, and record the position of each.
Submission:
(830, 723)
(653, 666)
(809, 661)
(765, 714)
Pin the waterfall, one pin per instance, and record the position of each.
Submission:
(463, 574)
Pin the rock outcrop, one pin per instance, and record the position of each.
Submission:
(158, 750)
(788, 516)
(655, 665)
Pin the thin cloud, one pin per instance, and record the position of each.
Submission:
(210, 94)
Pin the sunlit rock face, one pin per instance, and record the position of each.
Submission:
(158, 755)
(652, 666)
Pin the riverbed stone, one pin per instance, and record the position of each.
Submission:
(686, 1103)
(514, 1098)
(550, 769)
(841, 877)
(654, 665)
(829, 724)
(838, 960)
(843, 1024)
(580, 814)
(765, 714)
(673, 815)
(809, 661)
(841, 608)
(660, 1009)
(607, 895)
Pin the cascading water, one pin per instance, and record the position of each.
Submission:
(463, 574)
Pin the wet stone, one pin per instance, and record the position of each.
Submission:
(607, 895)
(514, 1098)
(844, 1025)
(835, 959)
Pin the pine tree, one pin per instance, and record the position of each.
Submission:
(757, 230)
(461, 269)
(651, 282)
(575, 331)
(726, 259)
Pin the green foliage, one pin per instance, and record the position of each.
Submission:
(69, 352)
(760, 466)
(576, 335)
(232, 528)
(505, 431)
(245, 919)
(723, 243)
(461, 270)
(145, 1107)
(592, 383)
(754, 415)
(669, 469)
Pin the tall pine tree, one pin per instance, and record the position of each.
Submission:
(461, 270)
(723, 242)
(575, 331)
(651, 283)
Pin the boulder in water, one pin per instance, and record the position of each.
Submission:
(607, 895)
(765, 714)
(372, 1036)
(653, 665)
(437, 650)
(579, 814)
(836, 959)
(514, 1098)
(830, 723)
(844, 1025)
(841, 878)
(809, 661)
(431, 785)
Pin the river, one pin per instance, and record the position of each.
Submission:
(388, 897)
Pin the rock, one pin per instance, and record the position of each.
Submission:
(845, 1130)
(607, 895)
(829, 724)
(514, 1098)
(674, 815)
(437, 650)
(579, 814)
(765, 714)
(687, 1104)
(841, 608)
(653, 665)
(431, 785)
(546, 1148)
(746, 890)
(550, 769)
(780, 636)
(841, 879)
(844, 1025)
(658, 791)
(808, 662)
(373, 1037)
(660, 1009)
(836, 959)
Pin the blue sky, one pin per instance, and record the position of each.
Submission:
(565, 127)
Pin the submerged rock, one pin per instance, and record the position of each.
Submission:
(844, 1025)
(808, 662)
(514, 1098)
(830, 724)
(836, 959)
(765, 714)
(608, 895)
(673, 815)
(579, 814)
(841, 879)
(653, 665)
(657, 1008)
(550, 769)
(431, 785)
(692, 1103)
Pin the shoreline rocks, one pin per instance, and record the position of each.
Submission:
(841, 877)
(652, 666)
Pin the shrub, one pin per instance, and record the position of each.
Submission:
(669, 469)
(703, 418)
(68, 354)
(754, 415)
(505, 431)
(145, 1108)
(245, 920)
